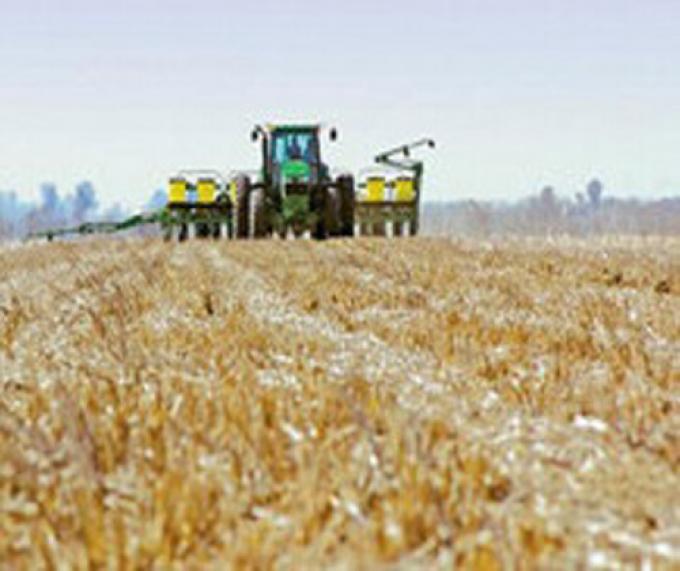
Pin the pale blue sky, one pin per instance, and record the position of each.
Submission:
(518, 94)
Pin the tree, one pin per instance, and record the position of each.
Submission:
(50, 197)
(594, 191)
(548, 199)
(158, 200)
(85, 201)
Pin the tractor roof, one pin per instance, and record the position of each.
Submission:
(293, 127)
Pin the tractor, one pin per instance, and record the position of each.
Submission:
(295, 191)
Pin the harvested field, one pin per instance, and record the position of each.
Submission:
(368, 404)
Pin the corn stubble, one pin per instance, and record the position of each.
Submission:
(358, 404)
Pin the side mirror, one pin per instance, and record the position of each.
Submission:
(254, 135)
(333, 134)
(431, 144)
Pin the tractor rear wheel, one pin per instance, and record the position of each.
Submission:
(242, 209)
(260, 222)
(332, 212)
(319, 201)
(346, 197)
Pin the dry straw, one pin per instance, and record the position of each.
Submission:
(350, 405)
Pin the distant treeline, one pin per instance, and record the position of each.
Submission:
(588, 213)
(543, 214)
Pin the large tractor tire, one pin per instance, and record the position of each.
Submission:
(332, 212)
(242, 210)
(260, 223)
(319, 200)
(346, 196)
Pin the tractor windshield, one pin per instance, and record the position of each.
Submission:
(290, 146)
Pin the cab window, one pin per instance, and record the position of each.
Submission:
(294, 146)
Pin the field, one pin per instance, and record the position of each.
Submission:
(373, 404)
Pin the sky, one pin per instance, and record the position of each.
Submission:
(518, 94)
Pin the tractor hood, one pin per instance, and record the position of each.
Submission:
(295, 170)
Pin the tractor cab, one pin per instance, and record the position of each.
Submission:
(291, 155)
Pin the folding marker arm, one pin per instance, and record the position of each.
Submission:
(100, 227)
(391, 157)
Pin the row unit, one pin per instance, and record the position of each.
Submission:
(375, 189)
(379, 189)
(204, 191)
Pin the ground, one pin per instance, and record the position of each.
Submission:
(368, 404)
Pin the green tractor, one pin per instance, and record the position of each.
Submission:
(295, 191)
